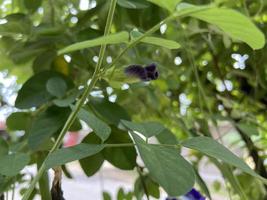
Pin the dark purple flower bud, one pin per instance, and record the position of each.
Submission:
(143, 73)
(137, 71)
(151, 68)
(152, 72)
(195, 195)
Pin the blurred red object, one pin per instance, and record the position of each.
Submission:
(72, 139)
(2, 125)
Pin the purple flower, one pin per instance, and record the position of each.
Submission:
(152, 72)
(171, 198)
(146, 73)
(194, 195)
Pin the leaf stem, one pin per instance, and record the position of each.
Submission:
(119, 145)
(79, 104)
(44, 179)
(132, 144)
(13, 190)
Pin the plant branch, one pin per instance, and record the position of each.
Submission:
(44, 180)
(139, 170)
(132, 144)
(79, 104)
(253, 152)
(96, 76)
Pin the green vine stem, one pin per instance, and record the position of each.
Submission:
(79, 104)
(96, 76)
(139, 170)
(44, 180)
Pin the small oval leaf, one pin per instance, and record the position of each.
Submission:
(65, 155)
(115, 38)
(13, 163)
(167, 167)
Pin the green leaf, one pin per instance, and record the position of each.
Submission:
(167, 167)
(44, 61)
(169, 44)
(248, 128)
(66, 101)
(100, 128)
(13, 163)
(32, 5)
(148, 129)
(77, 152)
(120, 194)
(214, 149)
(121, 157)
(116, 38)
(151, 187)
(202, 184)
(233, 23)
(3, 147)
(16, 24)
(19, 121)
(45, 125)
(92, 164)
(76, 126)
(106, 196)
(66, 172)
(227, 173)
(167, 137)
(170, 5)
(33, 93)
(56, 86)
(133, 4)
(25, 54)
(110, 112)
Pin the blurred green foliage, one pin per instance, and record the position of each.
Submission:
(214, 81)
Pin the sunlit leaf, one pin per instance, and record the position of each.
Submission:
(233, 23)
(133, 4)
(169, 44)
(116, 38)
(170, 5)
(214, 149)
